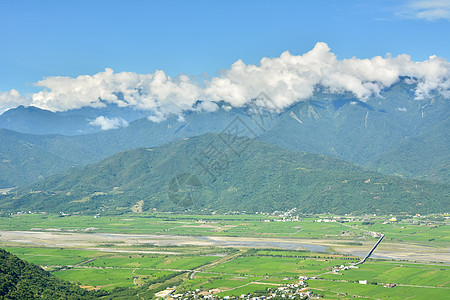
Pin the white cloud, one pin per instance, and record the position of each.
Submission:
(291, 78)
(12, 99)
(207, 106)
(107, 124)
(143, 91)
(157, 116)
(285, 80)
(430, 10)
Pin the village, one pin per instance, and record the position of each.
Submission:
(297, 290)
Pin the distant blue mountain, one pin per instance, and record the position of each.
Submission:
(393, 134)
(71, 122)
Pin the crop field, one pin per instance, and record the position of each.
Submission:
(152, 262)
(108, 278)
(103, 278)
(207, 281)
(122, 253)
(404, 272)
(243, 272)
(408, 230)
(70, 257)
(276, 266)
(331, 289)
(52, 256)
(179, 225)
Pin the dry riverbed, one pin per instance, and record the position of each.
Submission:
(86, 241)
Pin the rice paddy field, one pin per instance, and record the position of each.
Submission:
(132, 258)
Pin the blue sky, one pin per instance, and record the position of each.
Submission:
(70, 38)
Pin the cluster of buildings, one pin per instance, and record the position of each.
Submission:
(285, 216)
(285, 219)
(297, 290)
(338, 219)
(290, 291)
(336, 269)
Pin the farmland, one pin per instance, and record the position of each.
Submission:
(236, 254)
(408, 229)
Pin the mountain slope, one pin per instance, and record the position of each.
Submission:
(25, 158)
(368, 133)
(426, 154)
(34, 120)
(355, 131)
(261, 178)
(22, 280)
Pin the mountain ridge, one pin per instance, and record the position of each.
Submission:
(339, 125)
(263, 177)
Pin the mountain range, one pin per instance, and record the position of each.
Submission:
(34, 120)
(392, 134)
(221, 172)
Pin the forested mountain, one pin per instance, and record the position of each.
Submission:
(20, 280)
(34, 120)
(226, 173)
(393, 134)
(424, 156)
(25, 158)
(362, 132)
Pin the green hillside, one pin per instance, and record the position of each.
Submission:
(368, 133)
(261, 177)
(21, 280)
(25, 158)
(425, 156)
(379, 134)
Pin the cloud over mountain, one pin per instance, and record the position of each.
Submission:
(12, 99)
(108, 123)
(286, 79)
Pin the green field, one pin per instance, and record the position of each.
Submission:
(245, 272)
(145, 268)
(107, 278)
(406, 230)
(404, 272)
(347, 290)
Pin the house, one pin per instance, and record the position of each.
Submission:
(204, 293)
(165, 293)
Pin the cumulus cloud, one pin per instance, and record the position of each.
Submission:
(143, 91)
(291, 78)
(285, 80)
(430, 10)
(157, 116)
(12, 99)
(107, 123)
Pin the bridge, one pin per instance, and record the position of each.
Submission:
(370, 252)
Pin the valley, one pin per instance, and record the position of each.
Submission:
(224, 150)
(231, 255)
(261, 178)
